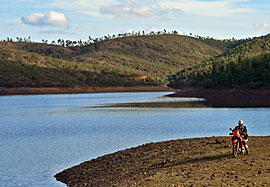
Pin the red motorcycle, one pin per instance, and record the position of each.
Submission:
(239, 144)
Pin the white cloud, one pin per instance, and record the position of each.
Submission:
(50, 19)
(88, 7)
(117, 9)
(263, 26)
(130, 9)
(163, 9)
(222, 8)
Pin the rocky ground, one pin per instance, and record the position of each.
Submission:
(186, 162)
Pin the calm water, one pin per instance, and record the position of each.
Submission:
(43, 134)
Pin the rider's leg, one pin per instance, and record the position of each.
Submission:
(246, 146)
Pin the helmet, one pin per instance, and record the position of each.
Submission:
(240, 122)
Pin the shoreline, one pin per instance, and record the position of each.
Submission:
(227, 97)
(206, 161)
(214, 97)
(79, 90)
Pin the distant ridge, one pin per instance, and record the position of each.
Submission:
(110, 62)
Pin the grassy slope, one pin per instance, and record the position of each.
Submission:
(244, 65)
(158, 55)
(115, 62)
(20, 68)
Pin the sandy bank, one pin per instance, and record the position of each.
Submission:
(186, 162)
(75, 90)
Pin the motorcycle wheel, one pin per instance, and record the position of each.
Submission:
(235, 149)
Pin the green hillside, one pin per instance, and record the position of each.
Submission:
(111, 62)
(247, 65)
(25, 69)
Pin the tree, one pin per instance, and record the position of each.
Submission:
(80, 43)
(19, 39)
(165, 31)
(59, 41)
(90, 40)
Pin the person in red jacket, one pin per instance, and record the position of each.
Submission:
(243, 131)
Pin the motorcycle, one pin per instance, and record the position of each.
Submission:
(239, 144)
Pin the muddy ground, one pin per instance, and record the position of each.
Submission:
(185, 162)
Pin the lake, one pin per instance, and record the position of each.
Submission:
(40, 135)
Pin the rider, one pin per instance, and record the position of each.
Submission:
(243, 131)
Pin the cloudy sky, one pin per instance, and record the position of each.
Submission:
(78, 19)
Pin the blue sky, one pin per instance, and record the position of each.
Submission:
(78, 19)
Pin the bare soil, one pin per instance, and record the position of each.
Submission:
(75, 90)
(224, 97)
(184, 162)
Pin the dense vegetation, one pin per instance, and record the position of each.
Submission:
(110, 61)
(246, 65)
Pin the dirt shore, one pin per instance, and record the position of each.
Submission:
(184, 162)
(75, 90)
(224, 97)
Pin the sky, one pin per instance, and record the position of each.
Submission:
(79, 19)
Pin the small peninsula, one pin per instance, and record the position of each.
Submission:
(185, 162)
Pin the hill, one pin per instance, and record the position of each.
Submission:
(186, 162)
(111, 62)
(246, 65)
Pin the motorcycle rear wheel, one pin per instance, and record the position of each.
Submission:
(235, 149)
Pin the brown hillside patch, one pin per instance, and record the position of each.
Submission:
(225, 97)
